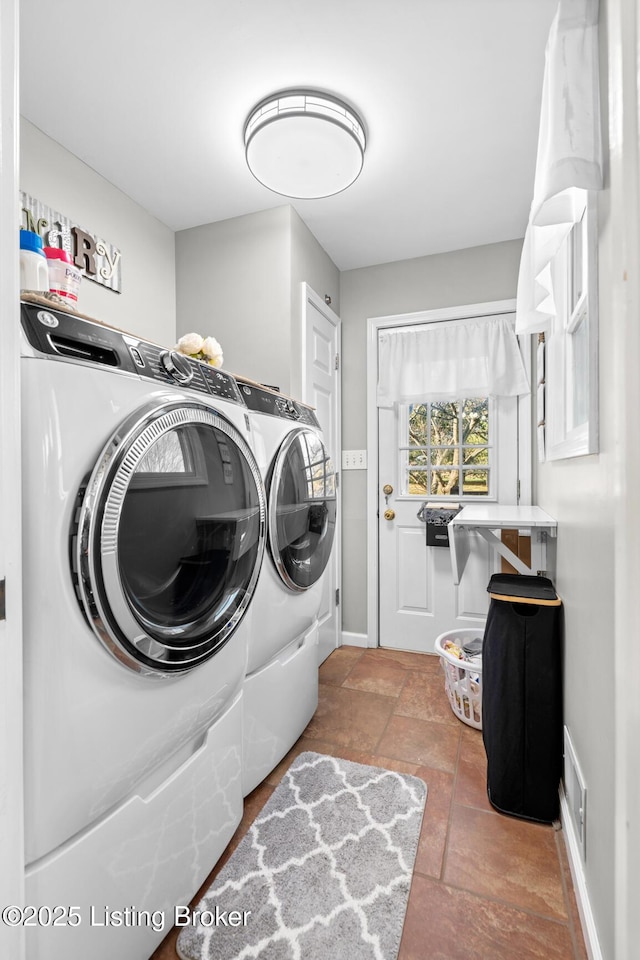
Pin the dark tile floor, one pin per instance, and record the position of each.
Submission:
(485, 886)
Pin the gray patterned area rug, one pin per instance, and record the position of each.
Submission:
(323, 873)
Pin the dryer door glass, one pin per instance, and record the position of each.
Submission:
(177, 538)
(302, 509)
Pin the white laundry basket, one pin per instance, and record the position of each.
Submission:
(462, 678)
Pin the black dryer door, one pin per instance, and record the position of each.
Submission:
(170, 537)
(302, 509)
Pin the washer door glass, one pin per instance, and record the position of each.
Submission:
(302, 509)
(171, 537)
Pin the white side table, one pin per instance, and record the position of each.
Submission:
(485, 518)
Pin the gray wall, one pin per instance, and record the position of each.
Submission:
(581, 494)
(232, 281)
(147, 304)
(578, 494)
(239, 280)
(475, 275)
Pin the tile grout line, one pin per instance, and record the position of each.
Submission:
(424, 810)
(355, 661)
(392, 714)
(454, 785)
(497, 900)
(404, 683)
(336, 683)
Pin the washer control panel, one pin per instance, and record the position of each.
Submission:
(177, 366)
(64, 336)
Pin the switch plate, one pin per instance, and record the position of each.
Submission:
(354, 459)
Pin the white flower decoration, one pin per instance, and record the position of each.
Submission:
(208, 351)
(190, 344)
(213, 351)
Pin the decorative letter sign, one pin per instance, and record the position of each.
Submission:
(98, 260)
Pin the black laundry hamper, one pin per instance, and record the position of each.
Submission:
(522, 697)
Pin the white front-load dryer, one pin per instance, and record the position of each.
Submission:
(281, 688)
(144, 529)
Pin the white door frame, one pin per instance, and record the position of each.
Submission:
(310, 296)
(11, 741)
(374, 325)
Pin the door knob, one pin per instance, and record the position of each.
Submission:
(389, 514)
(387, 489)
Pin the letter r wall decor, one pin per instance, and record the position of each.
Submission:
(99, 261)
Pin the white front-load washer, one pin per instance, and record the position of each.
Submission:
(281, 688)
(144, 530)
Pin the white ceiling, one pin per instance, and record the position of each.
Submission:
(154, 95)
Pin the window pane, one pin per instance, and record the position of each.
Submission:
(417, 458)
(444, 423)
(579, 360)
(443, 456)
(417, 482)
(475, 421)
(576, 265)
(418, 424)
(166, 455)
(475, 482)
(444, 483)
(475, 455)
(440, 437)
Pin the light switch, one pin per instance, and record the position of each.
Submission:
(354, 459)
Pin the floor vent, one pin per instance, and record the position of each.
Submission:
(575, 791)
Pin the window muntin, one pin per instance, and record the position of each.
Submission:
(446, 448)
(570, 418)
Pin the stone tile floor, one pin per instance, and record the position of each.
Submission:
(485, 886)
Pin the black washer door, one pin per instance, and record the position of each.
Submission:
(302, 509)
(171, 537)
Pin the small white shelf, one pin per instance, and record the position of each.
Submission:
(485, 518)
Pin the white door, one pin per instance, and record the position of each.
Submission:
(441, 453)
(11, 772)
(321, 389)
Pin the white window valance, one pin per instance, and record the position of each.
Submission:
(569, 159)
(462, 358)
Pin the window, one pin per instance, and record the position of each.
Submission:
(175, 459)
(446, 449)
(571, 388)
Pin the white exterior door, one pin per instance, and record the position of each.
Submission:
(441, 453)
(321, 389)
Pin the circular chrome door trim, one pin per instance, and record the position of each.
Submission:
(100, 586)
(274, 485)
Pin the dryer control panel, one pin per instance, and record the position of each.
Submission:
(268, 402)
(64, 336)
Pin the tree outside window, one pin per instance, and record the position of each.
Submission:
(447, 448)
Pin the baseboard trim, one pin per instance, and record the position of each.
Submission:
(354, 639)
(574, 855)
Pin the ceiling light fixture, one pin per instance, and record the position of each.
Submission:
(304, 144)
